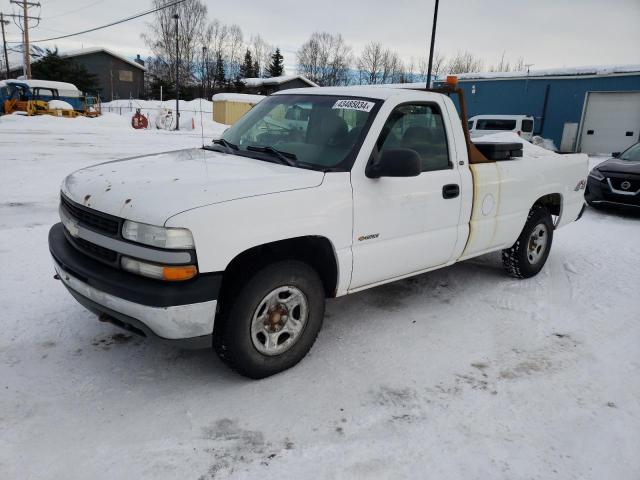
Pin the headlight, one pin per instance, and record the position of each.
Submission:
(595, 173)
(160, 272)
(174, 238)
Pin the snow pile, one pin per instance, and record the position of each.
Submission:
(130, 105)
(544, 143)
(59, 105)
(258, 82)
(162, 114)
(238, 98)
(107, 124)
(69, 89)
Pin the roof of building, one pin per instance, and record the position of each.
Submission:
(238, 97)
(594, 70)
(89, 51)
(15, 61)
(259, 82)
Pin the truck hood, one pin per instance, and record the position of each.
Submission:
(152, 188)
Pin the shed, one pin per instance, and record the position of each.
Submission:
(582, 109)
(118, 77)
(228, 108)
(267, 86)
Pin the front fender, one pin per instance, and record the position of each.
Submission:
(225, 230)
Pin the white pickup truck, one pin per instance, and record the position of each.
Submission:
(238, 244)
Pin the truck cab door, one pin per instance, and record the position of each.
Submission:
(409, 224)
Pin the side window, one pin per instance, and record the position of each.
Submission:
(470, 126)
(417, 127)
(527, 126)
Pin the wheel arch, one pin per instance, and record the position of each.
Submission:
(317, 251)
(553, 203)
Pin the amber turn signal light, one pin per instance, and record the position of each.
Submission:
(176, 274)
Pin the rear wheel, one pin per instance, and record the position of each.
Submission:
(272, 321)
(529, 254)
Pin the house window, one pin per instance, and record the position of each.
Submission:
(125, 75)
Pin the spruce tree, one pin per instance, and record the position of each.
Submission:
(246, 69)
(219, 74)
(276, 67)
(256, 69)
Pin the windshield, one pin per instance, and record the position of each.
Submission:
(313, 131)
(631, 154)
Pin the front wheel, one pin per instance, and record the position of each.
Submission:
(528, 255)
(273, 320)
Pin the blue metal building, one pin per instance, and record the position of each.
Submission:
(584, 109)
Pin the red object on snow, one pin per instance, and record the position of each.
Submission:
(139, 121)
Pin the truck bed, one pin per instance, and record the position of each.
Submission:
(496, 222)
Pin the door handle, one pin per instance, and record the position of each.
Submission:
(450, 191)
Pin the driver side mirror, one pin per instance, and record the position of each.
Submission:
(397, 162)
(615, 154)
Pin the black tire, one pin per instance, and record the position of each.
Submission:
(232, 334)
(520, 260)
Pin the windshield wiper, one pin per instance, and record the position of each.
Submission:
(228, 145)
(285, 158)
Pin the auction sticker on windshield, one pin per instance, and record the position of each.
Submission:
(361, 105)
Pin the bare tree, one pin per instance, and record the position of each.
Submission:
(392, 67)
(377, 64)
(161, 38)
(519, 66)
(261, 52)
(438, 65)
(234, 51)
(506, 66)
(325, 59)
(464, 62)
(370, 63)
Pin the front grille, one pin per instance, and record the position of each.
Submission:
(634, 184)
(95, 251)
(91, 218)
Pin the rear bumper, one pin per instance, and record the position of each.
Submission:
(182, 313)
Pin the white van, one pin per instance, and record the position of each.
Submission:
(488, 124)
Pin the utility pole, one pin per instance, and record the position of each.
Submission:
(176, 16)
(24, 4)
(4, 22)
(205, 69)
(433, 40)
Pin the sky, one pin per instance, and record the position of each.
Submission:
(546, 33)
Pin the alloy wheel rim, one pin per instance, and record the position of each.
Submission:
(279, 320)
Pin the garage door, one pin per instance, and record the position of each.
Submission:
(611, 122)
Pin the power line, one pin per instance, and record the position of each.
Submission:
(74, 11)
(117, 22)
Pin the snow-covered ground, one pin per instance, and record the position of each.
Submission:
(463, 373)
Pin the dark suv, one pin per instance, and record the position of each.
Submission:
(616, 181)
